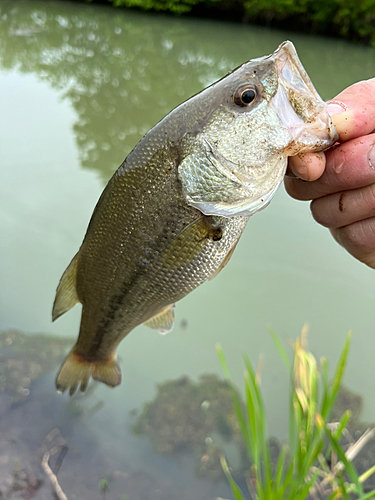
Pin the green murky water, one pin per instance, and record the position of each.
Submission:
(79, 86)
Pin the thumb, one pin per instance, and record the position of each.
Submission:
(353, 110)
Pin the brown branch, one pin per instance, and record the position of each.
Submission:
(47, 469)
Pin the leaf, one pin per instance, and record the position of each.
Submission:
(238, 495)
(337, 378)
(349, 468)
(283, 354)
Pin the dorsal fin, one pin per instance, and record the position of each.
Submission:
(163, 321)
(66, 293)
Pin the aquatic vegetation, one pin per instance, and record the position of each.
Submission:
(306, 465)
(24, 485)
(104, 487)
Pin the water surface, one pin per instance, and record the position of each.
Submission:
(79, 86)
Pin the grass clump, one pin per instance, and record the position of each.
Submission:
(313, 463)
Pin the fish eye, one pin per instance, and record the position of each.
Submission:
(244, 95)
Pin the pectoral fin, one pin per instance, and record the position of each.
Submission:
(163, 322)
(66, 293)
(225, 262)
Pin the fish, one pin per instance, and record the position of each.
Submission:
(172, 214)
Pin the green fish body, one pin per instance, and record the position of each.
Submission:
(172, 214)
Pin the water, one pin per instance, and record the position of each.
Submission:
(79, 86)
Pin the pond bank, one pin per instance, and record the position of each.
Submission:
(353, 21)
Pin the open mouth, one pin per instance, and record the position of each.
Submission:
(299, 106)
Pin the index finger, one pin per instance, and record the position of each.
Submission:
(349, 166)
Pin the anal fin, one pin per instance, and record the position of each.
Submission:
(66, 293)
(163, 321)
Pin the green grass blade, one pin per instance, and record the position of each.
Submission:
(280, 467)
(236, 400)
(349, 468)
(302, 494)
(343, 490)
(363, 477)
(325, 383)
(279, 346)
(252, 420)
(371, 494)
(342, 424)
(337, 434)
(264, 461)
(337, 378)
(238, 495)
(223, 362)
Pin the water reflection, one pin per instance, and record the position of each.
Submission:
(122, 73)
(121, 76)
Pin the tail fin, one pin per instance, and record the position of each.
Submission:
(77, 371)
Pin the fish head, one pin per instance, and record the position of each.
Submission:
(261, 113)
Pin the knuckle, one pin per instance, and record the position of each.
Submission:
(359, 236)
(319, 212)
(367, 197)
(293, 188)
(367, 87)
(325, 211)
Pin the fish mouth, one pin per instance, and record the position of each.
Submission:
(299, 106)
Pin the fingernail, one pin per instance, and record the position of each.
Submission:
(300, 168)
(335, 107)
(371, 156)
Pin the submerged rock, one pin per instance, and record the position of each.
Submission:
(196, 418)
(26, 357)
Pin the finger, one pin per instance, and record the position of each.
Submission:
(353, 114)
(348, 166)
(353, 110)
(308, 167)
(358, 239)
(347, 207)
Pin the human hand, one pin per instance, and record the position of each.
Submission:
(342, 179)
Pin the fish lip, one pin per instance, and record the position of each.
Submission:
(313, 130)
(286, 52)
(318, 135)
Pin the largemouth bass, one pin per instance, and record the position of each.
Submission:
(171, 215)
